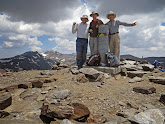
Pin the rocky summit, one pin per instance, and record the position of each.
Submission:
(132, 93)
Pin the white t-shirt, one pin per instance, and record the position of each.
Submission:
(81, 29)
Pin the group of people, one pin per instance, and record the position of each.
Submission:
(84, 30)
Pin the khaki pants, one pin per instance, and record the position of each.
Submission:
(93, 44)
(114, 45)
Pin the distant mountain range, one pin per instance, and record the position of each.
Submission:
(45, 60)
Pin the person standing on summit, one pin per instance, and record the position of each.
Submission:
(114, 42)
(93, 30)
(82, 40)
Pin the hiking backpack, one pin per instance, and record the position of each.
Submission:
(93, 60)
(113, 60)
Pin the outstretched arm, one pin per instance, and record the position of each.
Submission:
(126, 24)
(74, 28)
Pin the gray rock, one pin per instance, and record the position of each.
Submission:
(135, 79)
(63, 94)
(151, 116)
(66, 121)
(158, 80)
(90, 72)
(145, 90)
(148, 67)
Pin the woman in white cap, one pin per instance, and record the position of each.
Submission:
(93, 30)
(114, 42)
(82, 40)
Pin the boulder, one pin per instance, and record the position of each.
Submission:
(145, 90)
(5, 100)
(37, 83)
(95, 118)
(57, 111)
(81, 112)
(151, 116)
(81, 78)
(148, 67)
(162, 98)
(90, 73)
(61, 95)
(158, 80)
(135, 79)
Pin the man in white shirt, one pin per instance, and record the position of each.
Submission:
(82, 40)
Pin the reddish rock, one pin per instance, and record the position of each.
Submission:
(57, 111)
(5, 100)
(145, 90)
(96, 119)
(81, 112)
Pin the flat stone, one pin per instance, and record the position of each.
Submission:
(162, 98)
(90, 72)
(109, 70)
(133, 67)
(145, 90)
(61, 95)
(63, 65)
(47, 73)
(81, 78)
(140, 74)
(57, 111)
(135, 79)
(41, 97)
(147, 67)
(158, 80)
(151, 116)
(5, 100)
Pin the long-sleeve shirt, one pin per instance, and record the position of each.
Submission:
(81, 29)
(114, 26)
(94, 28)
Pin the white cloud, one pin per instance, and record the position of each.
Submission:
(64, 45)
(8, 44)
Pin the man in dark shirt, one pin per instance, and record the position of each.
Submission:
(93, 30)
